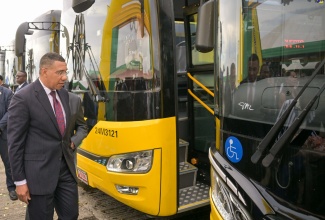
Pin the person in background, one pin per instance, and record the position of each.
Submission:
(230, 88)
(3, 84)
(288, 88)
(253, 69)
(265, 71)
(232, 78)
(40, 153)
(21, 79)
(5, 98)
(251, 79)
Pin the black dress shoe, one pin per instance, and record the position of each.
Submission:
(13, 195)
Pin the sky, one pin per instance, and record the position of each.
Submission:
(15, 12)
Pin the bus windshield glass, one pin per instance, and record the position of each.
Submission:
(269, 53)
(132, 52)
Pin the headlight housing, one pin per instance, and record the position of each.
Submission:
(227, 204)
(135, 162)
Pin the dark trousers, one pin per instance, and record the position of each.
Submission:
(64, 199)
(5, 159)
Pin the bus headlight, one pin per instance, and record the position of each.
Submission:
(227, 203)
(136, 162)
(219, 197)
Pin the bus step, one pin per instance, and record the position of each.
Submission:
(187, 175)
(193, 197)
(182, 153)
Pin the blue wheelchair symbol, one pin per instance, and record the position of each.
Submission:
(234, 149)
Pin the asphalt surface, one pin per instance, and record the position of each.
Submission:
(93, 205)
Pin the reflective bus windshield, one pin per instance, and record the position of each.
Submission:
(269, 55)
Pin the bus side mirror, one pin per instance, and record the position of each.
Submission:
(20, 38)
(81, 5)
(205, 27)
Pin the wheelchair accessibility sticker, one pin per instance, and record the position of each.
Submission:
(234, 149)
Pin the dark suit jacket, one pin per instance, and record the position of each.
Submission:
(5, 98)
(22, 86)
(35, 144)
(258, 78)
(78, 124)
(5, 85)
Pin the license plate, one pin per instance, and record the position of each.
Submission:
(82, 175)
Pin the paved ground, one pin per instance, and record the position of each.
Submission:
(93, 205)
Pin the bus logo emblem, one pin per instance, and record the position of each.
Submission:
(233, 149)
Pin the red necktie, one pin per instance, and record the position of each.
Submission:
(58, 113)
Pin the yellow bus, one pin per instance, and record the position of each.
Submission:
(148, 102)
(269, 160)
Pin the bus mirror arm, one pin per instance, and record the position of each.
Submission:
(272, 134)
(102, 95)
(290, 132)
(97, 97)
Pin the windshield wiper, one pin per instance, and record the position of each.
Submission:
(289, 133)
(273, 133)
(97, 96)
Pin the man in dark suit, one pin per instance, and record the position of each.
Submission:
(252, 77)
(5, 98)
(253, 69)
(79, 131)
(40, 151)
(230, 88)
(21, 79)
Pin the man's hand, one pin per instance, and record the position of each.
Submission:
(72, 146)
(23, 193)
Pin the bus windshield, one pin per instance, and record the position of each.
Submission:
(281, 49)
(132, 52)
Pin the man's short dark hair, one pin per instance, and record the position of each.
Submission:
(1, 78)
(49, 58)
(253, 57)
